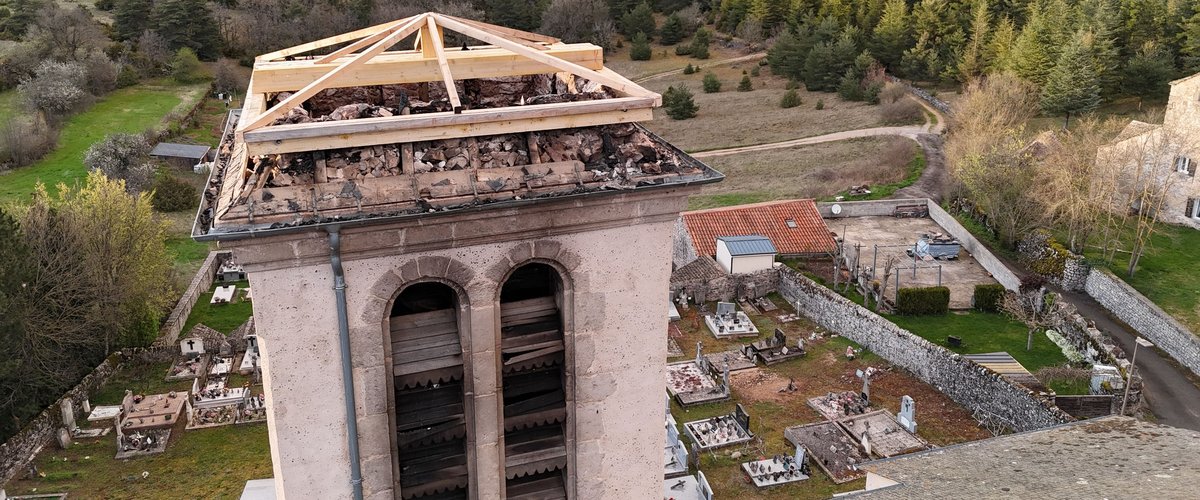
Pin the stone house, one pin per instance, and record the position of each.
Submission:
(459, 258)
(1163, 157)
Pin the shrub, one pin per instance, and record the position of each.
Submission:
(902, 111)
(987, 297)
(128, 76)
(745, 85)
(679, 103)
(122, 156)
(57, 89)
(23, 142)
(226, 78)
(790, 99)
(640, 50)
(711, 83)
(754, 71)
(891, 93)
(792, 84)
(921, 301)
(689, 69)
(186, 67)
(102, 73)
(683, 50)
(172, 194)
(700, 41)
(820, 103)
(850, 87)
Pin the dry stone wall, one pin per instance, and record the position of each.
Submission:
(729, 286)
(201, 282)
(1144, 316)
(965, 382)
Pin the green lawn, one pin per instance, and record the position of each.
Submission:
(1166, 274)
(206, 463)
(916, 167)
(984, 332)
(132, 109)
(221, 317)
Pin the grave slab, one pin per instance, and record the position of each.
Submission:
(834, 405)
(828, 446)
(777, 470)
(720, 431)
(732, 324)
(153, 412)
(223, 294)
(886, 437)
(103, 412)
(735, 359)
(688, 488)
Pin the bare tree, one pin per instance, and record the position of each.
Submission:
(1075, 189)
(1029, 306)
(65, 33)
(579, 21)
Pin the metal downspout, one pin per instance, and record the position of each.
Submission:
(339, 291)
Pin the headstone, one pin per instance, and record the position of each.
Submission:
(866, 388)
(252, 344)
(866, 444)
(724, 308)
(191, 348)
(64, 438)
(800, 457)
(68, 414)
(907, 418)
(699, 347)
(87, 408)
(694, 457)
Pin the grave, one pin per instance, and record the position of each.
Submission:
(254, 410)
(156, 411)
(728, 322)
(672, 311)
(697, 381)
(230, 271)
(221, 366)
(720, 431)
(215, 393)
(688, 488)
(103, 412)
(777, 470)
(73, 429)
(250, 359)
(774, 349)
(191, 347)
(186, 368)
(675, 455)
(835, 405)
(879, 434)
(907, 418)
(223, 294)
(828, 446)
(735, 359)
(138, 443)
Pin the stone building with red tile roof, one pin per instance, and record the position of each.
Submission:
(795, 227)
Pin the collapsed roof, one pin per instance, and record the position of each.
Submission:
(364, 132)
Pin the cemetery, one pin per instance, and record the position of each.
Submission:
(698, 380)
(728, 322)
(802, 410)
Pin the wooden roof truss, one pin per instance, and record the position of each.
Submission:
(364, 60)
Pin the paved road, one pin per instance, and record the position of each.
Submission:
(1173, 396)
(748, 57)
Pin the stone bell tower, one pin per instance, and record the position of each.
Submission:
(460, 260)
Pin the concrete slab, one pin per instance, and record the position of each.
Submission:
(959, 275)
(103, 412)
(886, 437)
(828, 446)
(688, 488)
(259, 489)
(155, 411)
(734, 359)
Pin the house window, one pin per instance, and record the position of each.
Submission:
(1183, 165)
(1192, 209)
(431, 411)
(791, 223)
(534, 384)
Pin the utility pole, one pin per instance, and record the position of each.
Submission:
(1132, 366)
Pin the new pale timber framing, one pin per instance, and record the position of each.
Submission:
(505, 57)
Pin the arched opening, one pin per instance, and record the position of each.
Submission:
(534, 384)
(427, 370)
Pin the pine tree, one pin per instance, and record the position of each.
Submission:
(640, 19)
(1073, 86)
(745, 85)
(1031, 57)
(818, 73)
(188, 23)
(639, 49)
(689, 69)
(790, 99)
(893, 34)
(679, 103)
(850, 87)
(1190, 47)
(1100, 17)
(130, 19)
(999, 52)
(711, 83)
(972, 63)
(1148, 73)
(672, 30)
(787, 56)
(700, 41)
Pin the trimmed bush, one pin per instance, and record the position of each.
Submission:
(172, 194)
(987, 297)
(923, 301)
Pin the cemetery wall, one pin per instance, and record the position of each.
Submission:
(1144, 316)
(1040, 254)
(729, 287)
(201, 283)
(965, 382)
(865, 208)
(923, 95)
(21, 448)
(989, 261)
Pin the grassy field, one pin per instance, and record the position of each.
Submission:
(662, 59)
(982, 333)
(9, 104)
(1166, 274)
(221, 317)
(730, 118)
(816, 171)
(912, 171)
(132, 109)
(206, 463)
(824, 369)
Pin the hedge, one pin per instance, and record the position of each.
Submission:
(923, 301)
(987, 297)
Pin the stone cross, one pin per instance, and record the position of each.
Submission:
(68, 414)
(191, 348)
(907, 418)
(866, 388)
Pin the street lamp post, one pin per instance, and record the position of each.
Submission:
(1133, 366)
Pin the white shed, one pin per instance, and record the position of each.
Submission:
(745, 254)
